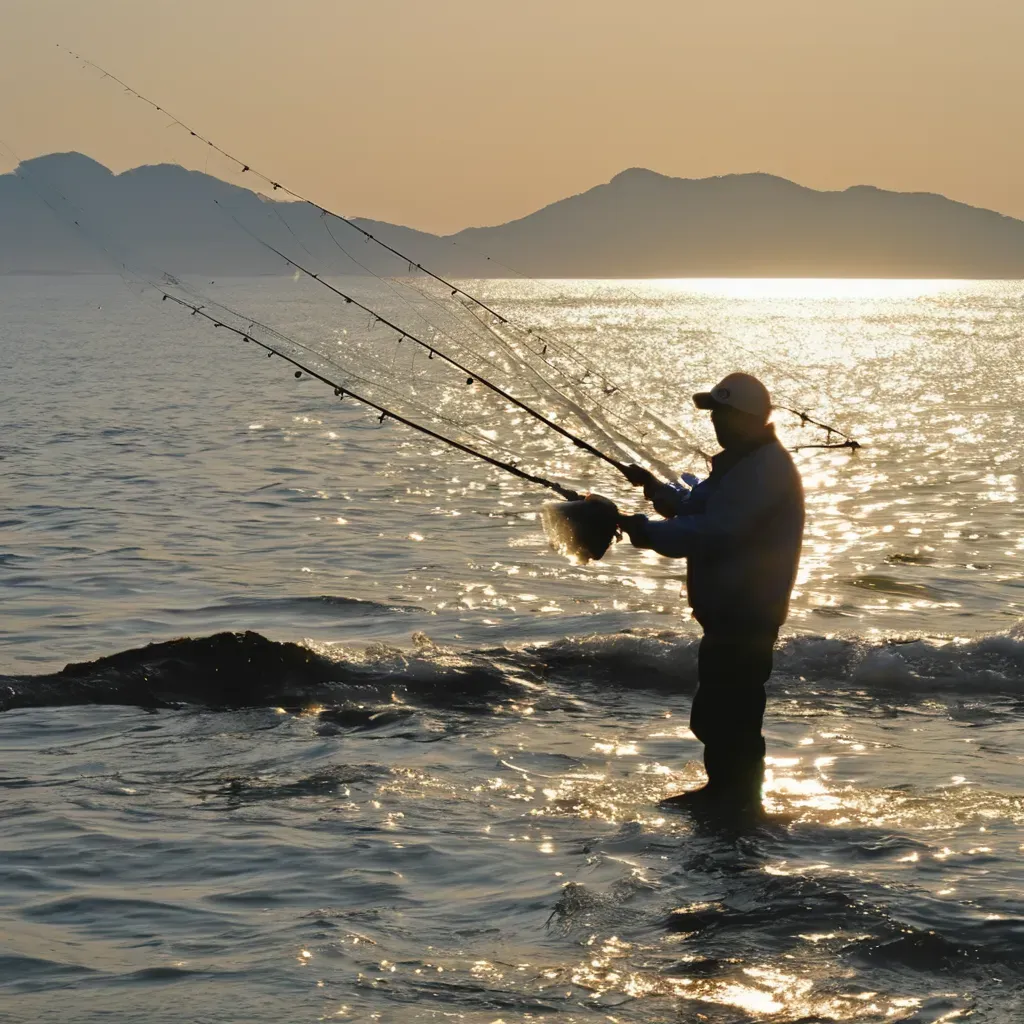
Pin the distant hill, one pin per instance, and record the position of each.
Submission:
(640, 224)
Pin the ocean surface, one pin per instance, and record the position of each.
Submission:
(301, 719)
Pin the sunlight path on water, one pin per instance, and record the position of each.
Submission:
(444, 804)
(442, 863)
(212, 490)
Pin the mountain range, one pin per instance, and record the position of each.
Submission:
(639, 224)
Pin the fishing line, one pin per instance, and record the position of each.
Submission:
(387, 283)
(588, 419)
(391, 286)
(344, 391)
(453, 288)
(594, 420)
(609, 386)
(546, 386)
(291, 340)
(433, 350)
(200, 309)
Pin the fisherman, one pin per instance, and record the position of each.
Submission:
(740, 532)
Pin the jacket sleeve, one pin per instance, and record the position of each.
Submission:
(745, 496)
(669, 499)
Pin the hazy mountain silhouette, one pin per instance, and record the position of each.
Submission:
(640, 224)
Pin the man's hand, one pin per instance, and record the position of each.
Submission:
(640, 477)
(662, 501)
(632, 525)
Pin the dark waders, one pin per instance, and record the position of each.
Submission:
(728, 710)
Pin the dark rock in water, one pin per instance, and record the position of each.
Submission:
(236, 670)
(224, 670)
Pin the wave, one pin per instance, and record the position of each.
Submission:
(324, 604)
(364, 686)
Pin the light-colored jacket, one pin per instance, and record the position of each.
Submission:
(741, 535)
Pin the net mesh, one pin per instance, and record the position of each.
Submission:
(502, 374)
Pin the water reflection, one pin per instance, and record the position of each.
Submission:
(916, 369)
(399, 854)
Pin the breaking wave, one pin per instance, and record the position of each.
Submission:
(233, 670)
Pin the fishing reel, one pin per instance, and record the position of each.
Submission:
(582, 530)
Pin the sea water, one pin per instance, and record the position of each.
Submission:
(406, 764)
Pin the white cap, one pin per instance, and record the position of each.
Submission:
(738, 391)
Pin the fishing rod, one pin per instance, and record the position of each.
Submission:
(609, 387)
(847, 442)
(343, 391)
(433, 350)
(340, 390)
(454, 288)
(278, 186)
(582, 527)
(253, 323)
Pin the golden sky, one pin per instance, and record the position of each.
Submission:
(448, 114)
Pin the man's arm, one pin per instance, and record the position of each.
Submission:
(733, 511)
(667, 498)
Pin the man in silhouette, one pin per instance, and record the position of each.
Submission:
(740, 531)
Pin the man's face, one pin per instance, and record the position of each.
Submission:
(733, 427)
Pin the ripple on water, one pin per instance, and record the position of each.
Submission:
(464, 825)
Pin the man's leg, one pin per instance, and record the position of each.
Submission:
(728, 711)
